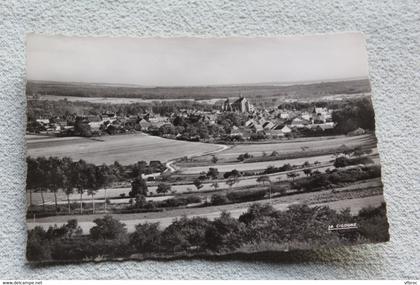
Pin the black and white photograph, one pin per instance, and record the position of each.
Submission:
(162, 148)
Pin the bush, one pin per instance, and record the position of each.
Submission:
(218, 199)
(107, 228)
(146, 237)
(185, 234)
(224, 233)
(271, 169)
(244, 156)
(373, 224)
(246, 195)
(343, 161)
(163, 188)
(233, 173)
(181, 201)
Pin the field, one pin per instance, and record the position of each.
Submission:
(143, 147)
(298, 145)
(125, 149)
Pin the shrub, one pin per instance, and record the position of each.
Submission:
(343, 161)
(271, 169)
(185, 234)
(163, 188)
(218, 199)
(233, 173)
(373, 224)
(246, 195)
(224, 233)
(244, 156)
(146, 237)
(107, 228)
(181, 201)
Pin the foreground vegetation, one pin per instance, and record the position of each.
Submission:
(300, 227)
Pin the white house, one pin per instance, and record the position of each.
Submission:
(286, 130)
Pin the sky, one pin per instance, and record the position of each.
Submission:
(196, 61)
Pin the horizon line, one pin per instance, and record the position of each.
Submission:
(290, 83)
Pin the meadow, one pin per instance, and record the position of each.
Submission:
(125, 149)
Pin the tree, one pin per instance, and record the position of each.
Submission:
(185, 234)
(264, 179)
(55, 177)
(213, 173)
(307, 171)
(80, 179)
(138, 187)
(218, 199)
(197, 183)
(33, 177)
(214, 159)
(244, 156)
(232, 180)
(146, 237)
(163, 188)
(306, 164)
(292, 175)
(43, 168)
(92, 182)
(107, 228)
(225, 233)
(105, 177)
(234, 173)
(215, 185)
(68, 183)
(82, 128)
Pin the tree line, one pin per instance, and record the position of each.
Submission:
(299, 227)
(55, 174)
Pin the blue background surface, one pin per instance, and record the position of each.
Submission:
(392, 31)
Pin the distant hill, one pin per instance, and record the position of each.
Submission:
(257, 91)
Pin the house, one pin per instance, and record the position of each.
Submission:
(306, 116)
(286, 130)
(132, 123)
(43, 121)
(240, 132)
(321, 115)
(284, 115)
(326, 126)
(298, 123)
(257, 128)
(144, 125)
(275, 134)
(268, 125)
(250, 123)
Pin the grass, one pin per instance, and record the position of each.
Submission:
(125, 149)
(297, 146)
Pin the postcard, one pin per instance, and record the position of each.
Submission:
(156, 148)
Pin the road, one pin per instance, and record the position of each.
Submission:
(166, 218)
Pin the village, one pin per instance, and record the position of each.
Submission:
(236, 120)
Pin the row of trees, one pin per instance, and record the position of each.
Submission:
(300, 227)
(54, 174)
